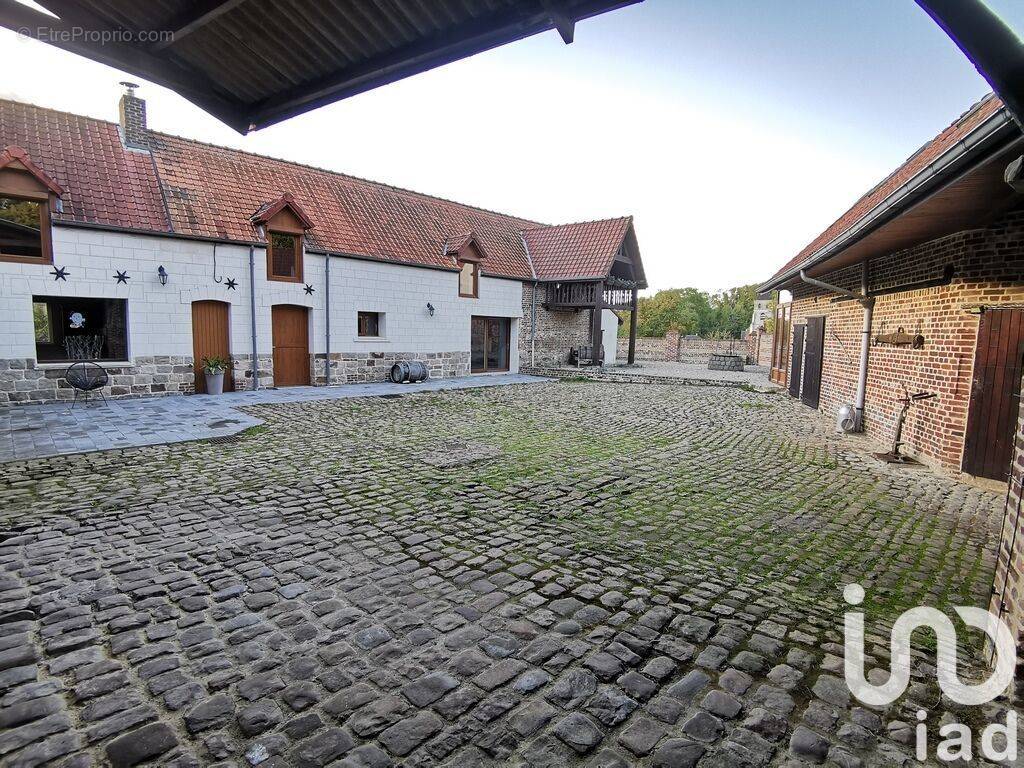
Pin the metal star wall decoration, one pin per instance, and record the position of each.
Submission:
(231, 283)
(121, 277)
(309, 289)
(60, 273)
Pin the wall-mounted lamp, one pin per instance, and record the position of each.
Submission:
(162, 274)
(430, 309)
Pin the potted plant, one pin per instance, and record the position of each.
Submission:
(213, 370)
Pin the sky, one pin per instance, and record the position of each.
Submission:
(734, 131)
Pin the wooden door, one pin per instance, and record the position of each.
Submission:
(291, 345)
(210, 338)
(489, 344)
(995, 394)
(796, 360)
(814, 354)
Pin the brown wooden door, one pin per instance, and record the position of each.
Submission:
(814, 355)
(210, 338)
(291, 345)
(796, 360)
(995, 394)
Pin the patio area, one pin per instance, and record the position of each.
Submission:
(34, 431)
(572, 573)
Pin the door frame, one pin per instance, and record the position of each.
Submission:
(508, 344)
(994, 404)
(813, 373)
(308, 378)
(796, 360)
(197, 363)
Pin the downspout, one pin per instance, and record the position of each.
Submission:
(533, 322)
(868, 303)
(252, 316)
(327, 319)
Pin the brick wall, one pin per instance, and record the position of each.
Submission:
(556, 331)
(673, 348)
(1009, 577)
(989, 269)
(759, 348)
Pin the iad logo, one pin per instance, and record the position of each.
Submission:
(959, 744)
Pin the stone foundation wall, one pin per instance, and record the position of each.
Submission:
(556, 332)
(21, 382)
(353, 368)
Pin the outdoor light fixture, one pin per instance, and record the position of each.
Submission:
(162, 274)
(430, 309)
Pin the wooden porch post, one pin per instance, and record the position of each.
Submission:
(595, 320)
(632, 329)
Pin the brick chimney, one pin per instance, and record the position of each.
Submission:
(132, 111)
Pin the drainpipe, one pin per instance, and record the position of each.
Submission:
(868, 303)
(252, 316)
(533, 321)
(327, 319)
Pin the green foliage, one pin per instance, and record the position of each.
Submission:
(725, 314)
(214, 365)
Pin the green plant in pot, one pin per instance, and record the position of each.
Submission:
(213, 371)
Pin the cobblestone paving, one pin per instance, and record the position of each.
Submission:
(562, 574)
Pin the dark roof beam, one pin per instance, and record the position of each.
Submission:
(466, 39)
(996, 52)
(198, 16)
(191, 84)
(560, 20)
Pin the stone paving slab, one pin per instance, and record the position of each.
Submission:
(35, 431)
(562, 575)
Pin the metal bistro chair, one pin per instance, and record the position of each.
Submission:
(87, 378)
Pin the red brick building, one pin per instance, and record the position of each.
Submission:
(929, 267)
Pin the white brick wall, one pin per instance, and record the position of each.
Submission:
(159, 317)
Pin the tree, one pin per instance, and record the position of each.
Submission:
(690, 311)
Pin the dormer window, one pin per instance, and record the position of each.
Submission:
(469, 279)
(26, 197)
(285, 256)
(468, 254)
(284, 225)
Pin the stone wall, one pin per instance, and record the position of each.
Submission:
(988, 269)
(21, 382)
(352, 368)
(556, 332)
(1008, 584)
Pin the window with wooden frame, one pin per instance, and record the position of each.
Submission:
(469, 279)
(27, 195)
(284, 256)
(370, 324)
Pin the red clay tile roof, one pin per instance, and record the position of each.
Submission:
(191, 188)
(957, 131)
(103, 182)
(581, 250)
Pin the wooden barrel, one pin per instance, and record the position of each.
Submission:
(418, 371)
(399, 372)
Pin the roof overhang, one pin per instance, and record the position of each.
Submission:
(206, 49)
(963, 189)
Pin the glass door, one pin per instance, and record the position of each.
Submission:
(489, 344)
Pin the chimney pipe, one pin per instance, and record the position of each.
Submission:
(132, 116)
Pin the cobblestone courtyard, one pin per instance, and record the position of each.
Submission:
(571, 573)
